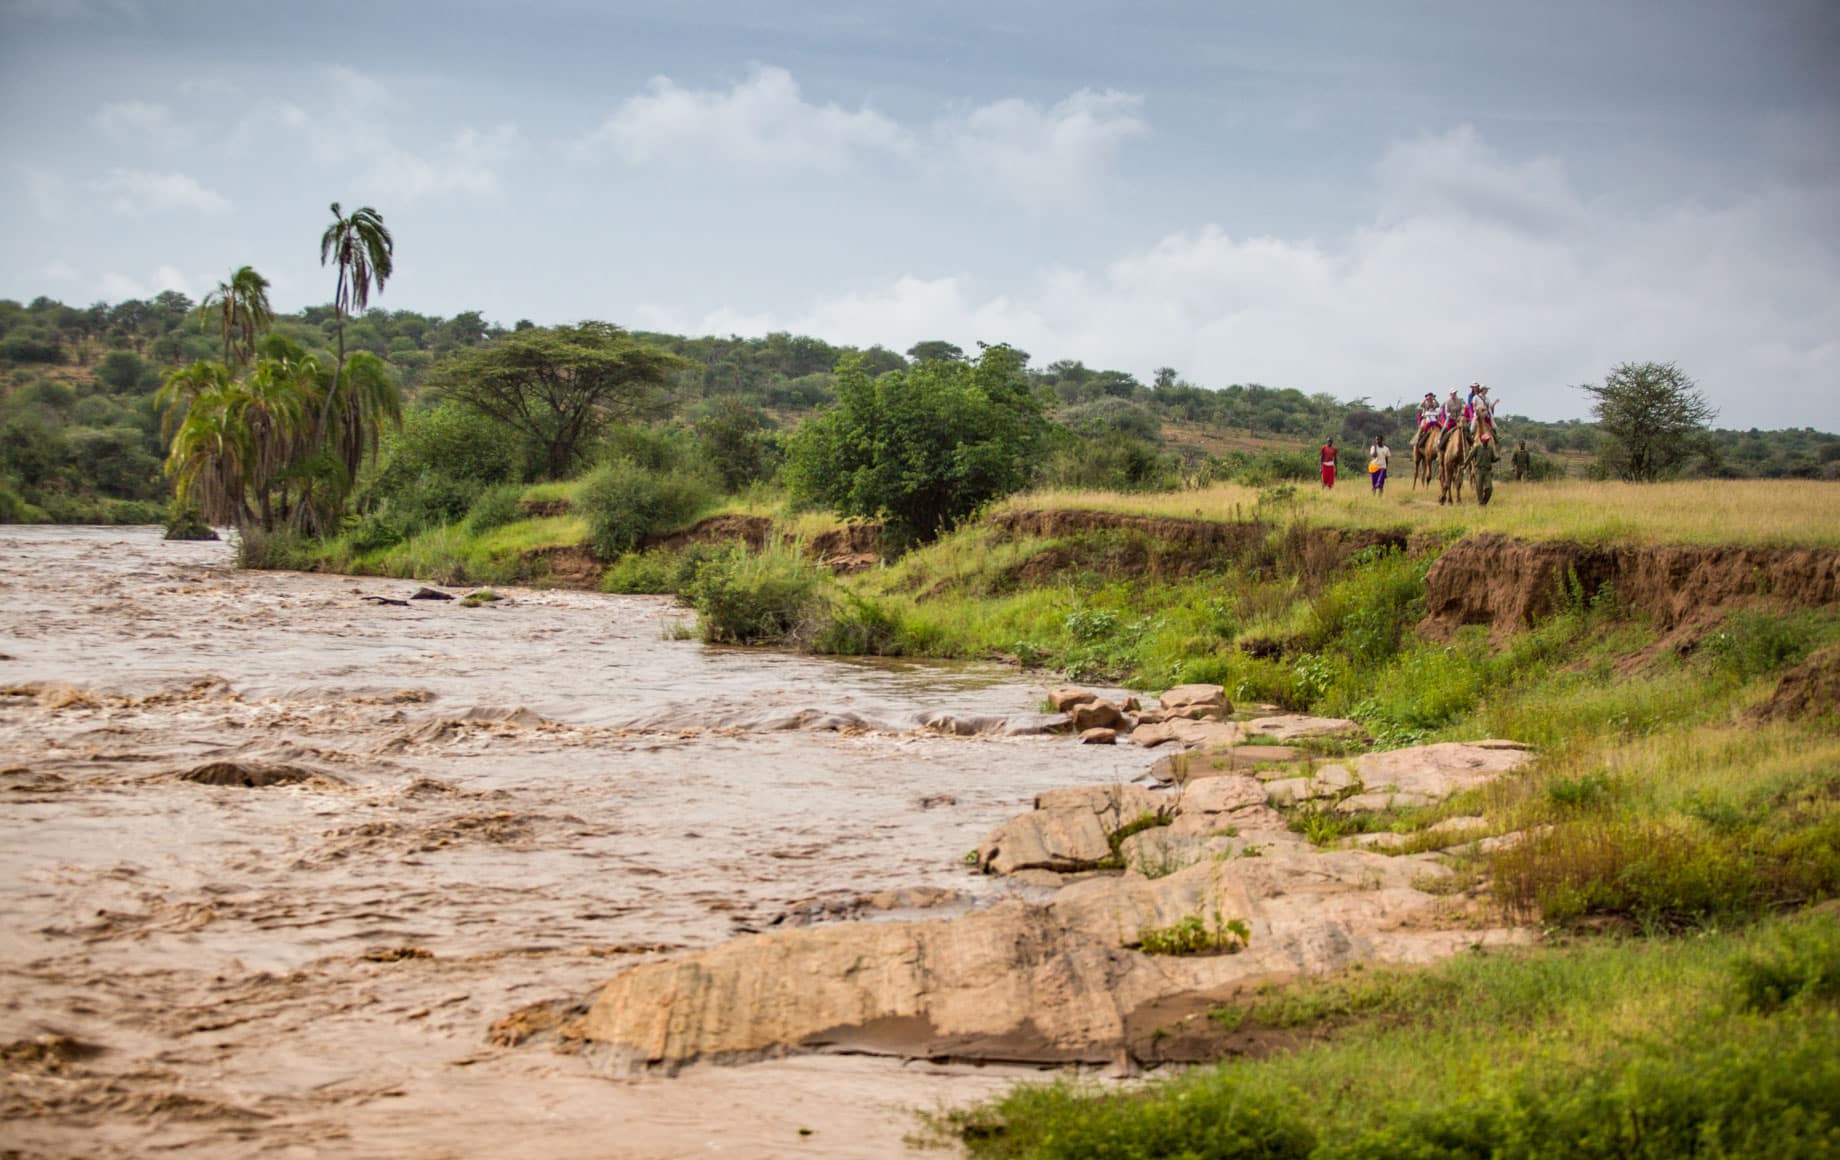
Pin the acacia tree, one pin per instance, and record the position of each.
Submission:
(559, 386)
(920, 448)
(242, 310)
(1651, 418)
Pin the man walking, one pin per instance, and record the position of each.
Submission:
(1484, 459)
(1328, 463)
(1377, 457)
(1523, 462)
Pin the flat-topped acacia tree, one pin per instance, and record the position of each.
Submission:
(560, 386)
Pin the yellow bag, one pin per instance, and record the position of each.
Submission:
(1373, 466)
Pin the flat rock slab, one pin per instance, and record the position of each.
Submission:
(1291, 726)
(1195, 701)
(1193, 734)
(1437, 771)
(1068, 830)
(1054, 982)
(1197, 764)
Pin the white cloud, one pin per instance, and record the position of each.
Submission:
(136, 192)
(116, 287)
(141, 123)
(45, 191)
(347, 124)
(1474, 267)
(1055, 157)
(761, 122)
(467, 164)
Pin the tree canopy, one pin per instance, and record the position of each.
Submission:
(924, 447)
(1652, 420)
(559, 386)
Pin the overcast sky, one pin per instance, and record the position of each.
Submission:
(1360, 198)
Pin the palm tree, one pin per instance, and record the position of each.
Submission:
(363, 248)
(210, 458)
(241, 305)
(183, 387)
(243, 442)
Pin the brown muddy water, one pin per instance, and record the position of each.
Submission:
(489, 809)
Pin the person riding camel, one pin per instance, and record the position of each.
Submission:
(1451, 413)
(1479, 411)
(1427, 419)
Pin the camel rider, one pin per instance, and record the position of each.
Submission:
(1427, 418)
(1478, 410)
(1451, 414)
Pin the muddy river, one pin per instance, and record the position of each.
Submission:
(477, 811)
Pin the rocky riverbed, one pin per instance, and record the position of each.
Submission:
(291, 871)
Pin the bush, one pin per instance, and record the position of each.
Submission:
(624, 503)
(184, 523)
(755, 598)
(1799, 963)
(440, 464)
(859, 627)
(280, 550)
(495, 507)
(15, 510)
(120, 370)
(31, 347)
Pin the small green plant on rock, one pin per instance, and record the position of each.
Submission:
(1193, 935)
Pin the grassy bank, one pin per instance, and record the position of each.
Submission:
(1795, 513)
(1718, 1046)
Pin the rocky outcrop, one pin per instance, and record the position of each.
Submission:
(1194, 734)
(1066, 980)
(1066, 697)
(1097, 715)
(1510, 584)
(1057, 982)
(1069, 830)
(1294, 726)
(1195, 701)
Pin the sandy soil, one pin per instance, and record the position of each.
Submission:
(473, 813)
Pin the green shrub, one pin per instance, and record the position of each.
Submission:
(184, 523)
(1193, 935)
(623, 503)
(279, 550)
(1799, 963)
(15, 510)
(374, 531)
(496, 506)
(1752, 643)
(743, 597)
(857, 626)
(657, 572)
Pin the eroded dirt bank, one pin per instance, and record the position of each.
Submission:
(1509, 584)
(292, 873)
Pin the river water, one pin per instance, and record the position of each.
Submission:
(492, 808)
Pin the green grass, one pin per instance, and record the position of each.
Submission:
(1665, 1047)
(1794, 513)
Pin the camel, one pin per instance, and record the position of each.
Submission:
(1424, 460)
(1453, 462)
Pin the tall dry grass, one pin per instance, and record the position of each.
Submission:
(1801, 513)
